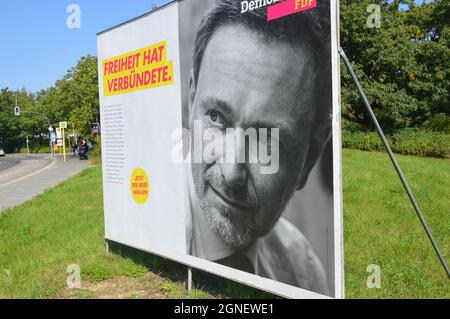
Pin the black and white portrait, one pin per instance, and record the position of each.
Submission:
(257, 101)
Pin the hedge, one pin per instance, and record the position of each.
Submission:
(407, 142)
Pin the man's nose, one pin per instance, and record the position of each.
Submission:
(234, 174)
(234, 169)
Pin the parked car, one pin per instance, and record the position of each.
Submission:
(2, 152)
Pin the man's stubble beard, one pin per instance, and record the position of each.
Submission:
(220, 218)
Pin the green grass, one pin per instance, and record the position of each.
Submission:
(64, 226)
(42, 237)
(382, 228)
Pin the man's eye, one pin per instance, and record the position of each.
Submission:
(213, 115)
(216, 118)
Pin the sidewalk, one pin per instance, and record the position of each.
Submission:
(26, 180)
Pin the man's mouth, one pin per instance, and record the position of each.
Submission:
(231, 202)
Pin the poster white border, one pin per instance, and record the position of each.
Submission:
(268, 285)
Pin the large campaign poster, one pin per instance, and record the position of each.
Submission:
(220, 140)
(140, 108)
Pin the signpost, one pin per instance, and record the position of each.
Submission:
(59, 140)
(62, 126)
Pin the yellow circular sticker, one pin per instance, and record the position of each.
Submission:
(140, 187)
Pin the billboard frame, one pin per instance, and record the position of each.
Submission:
(251, 280)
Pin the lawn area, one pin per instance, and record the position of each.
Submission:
(382, 228)
(40, 238)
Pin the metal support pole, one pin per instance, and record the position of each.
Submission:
(107, 247)
(189, 280)
(394, 161)
(64, 145)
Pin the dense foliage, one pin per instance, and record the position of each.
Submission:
(404, 66)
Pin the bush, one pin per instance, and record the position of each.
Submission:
(438, 123)
(364, 141)
(407, 142)
(96, 153)
(421, 143)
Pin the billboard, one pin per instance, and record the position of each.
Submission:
(221, 140)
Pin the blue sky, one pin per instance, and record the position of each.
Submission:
(37, 48)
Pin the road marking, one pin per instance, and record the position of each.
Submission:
(29, 175)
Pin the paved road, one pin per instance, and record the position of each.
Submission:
(19, 165)
(32, 174)
(8, 161)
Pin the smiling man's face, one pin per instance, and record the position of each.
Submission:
(246, 82)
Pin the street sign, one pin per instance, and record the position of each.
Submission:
(95, 128)
(58, 133)
(53, 136)
(63, 124)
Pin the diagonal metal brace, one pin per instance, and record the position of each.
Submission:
(394, 161)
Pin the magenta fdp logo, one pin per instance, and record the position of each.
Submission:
(278, 9)
(288, 7)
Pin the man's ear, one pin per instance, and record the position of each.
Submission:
(191, 99)
(319, 140)
(192, 90)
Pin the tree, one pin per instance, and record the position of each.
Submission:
(13, 129)
(404, 66)
(74, 98)
(9, 125)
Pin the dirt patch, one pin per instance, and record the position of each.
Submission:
(147, 286)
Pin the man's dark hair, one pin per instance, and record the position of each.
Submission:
(312, 25)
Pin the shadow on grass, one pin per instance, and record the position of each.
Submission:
(216, 286)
